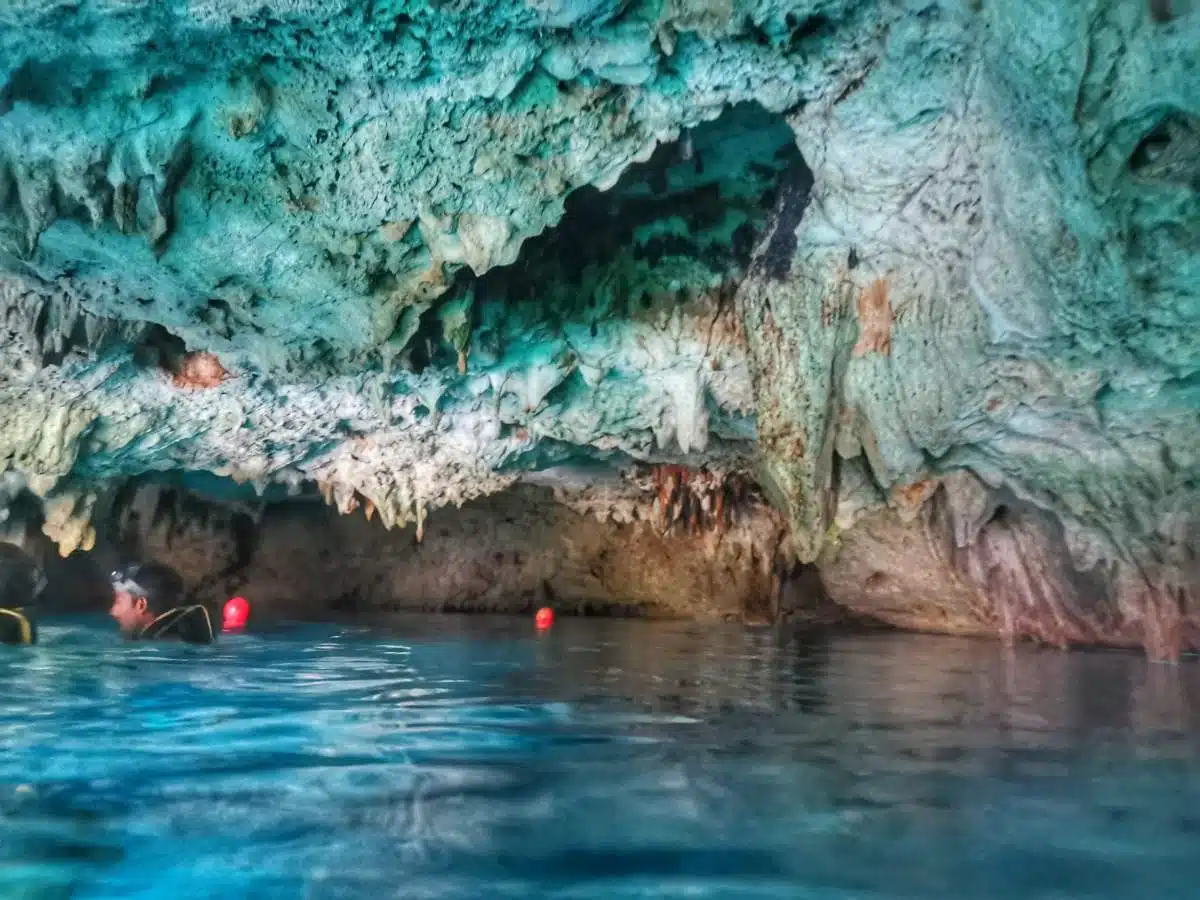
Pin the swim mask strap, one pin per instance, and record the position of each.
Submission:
(123, 581)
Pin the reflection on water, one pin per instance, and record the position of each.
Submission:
(471, 759)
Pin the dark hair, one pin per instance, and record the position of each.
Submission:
(159, 584)
(21, 578)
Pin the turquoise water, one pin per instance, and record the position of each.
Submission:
(464, 758)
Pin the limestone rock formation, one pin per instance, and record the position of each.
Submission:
(925, 271)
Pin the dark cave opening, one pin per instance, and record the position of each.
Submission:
(1168, 151)
(706, 196)
(669, 229)
(676, 231)
(159, 348)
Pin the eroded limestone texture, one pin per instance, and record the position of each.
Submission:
(1038, 330)
(924, 270)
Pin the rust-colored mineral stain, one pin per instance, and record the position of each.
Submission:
(200, 369)
(913, 495)
(874, 320)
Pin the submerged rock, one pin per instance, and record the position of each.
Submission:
(926, 272)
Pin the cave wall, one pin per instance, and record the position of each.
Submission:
(977, 291)
(972, 562)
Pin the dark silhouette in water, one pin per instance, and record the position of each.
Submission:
(21, 584)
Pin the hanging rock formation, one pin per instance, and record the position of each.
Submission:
(926, 272)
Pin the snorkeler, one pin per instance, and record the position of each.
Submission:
(21, 584)
(146, 604)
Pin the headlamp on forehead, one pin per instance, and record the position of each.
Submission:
(125, 581)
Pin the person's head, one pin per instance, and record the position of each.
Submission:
(21, 578)
(142, 592)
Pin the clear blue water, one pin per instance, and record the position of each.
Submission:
(461, 758)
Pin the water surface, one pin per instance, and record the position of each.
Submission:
(464, 758)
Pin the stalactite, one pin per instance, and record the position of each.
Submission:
(344, 498)
(695, 500)
(68, 520)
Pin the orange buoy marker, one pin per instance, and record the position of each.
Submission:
(544, 618)
(233, 617)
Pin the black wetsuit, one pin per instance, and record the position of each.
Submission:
(16, 627)
(185, 623)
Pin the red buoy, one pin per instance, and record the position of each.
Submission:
(544, 618)
(236, 611)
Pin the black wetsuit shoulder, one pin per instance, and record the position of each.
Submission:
(191, 624)
(16, 627)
